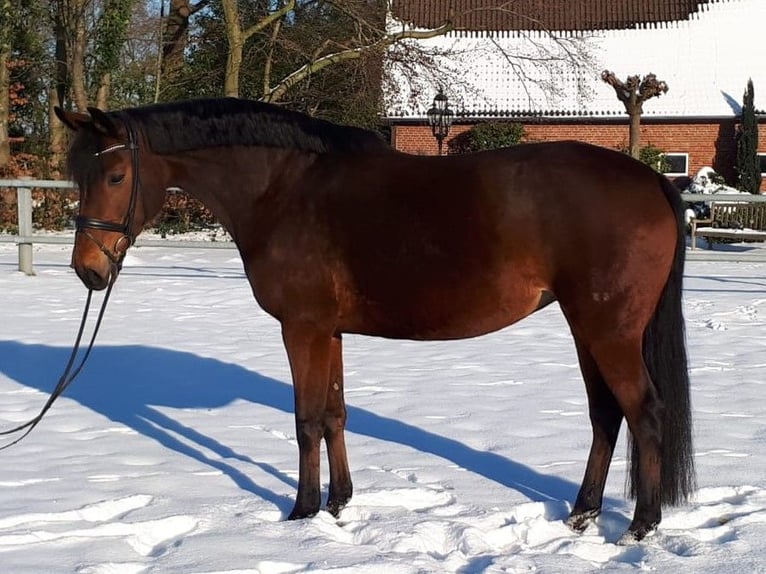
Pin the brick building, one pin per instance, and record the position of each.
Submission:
(705, 50)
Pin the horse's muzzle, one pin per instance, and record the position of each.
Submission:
(95, 264)
(94, 267)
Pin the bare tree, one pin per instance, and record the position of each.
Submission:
(367, 32)
(369, 36)
(90, 35)
(237, 37)
(322, 60)
(290, 43)
(633, 92)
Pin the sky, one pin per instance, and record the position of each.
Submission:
(174, 452)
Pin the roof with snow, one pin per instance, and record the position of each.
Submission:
(705, 51)
(560, 15)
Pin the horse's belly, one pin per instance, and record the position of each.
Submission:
(440, 317)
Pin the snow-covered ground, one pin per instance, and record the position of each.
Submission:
(174, 451)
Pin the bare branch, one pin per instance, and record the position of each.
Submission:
(276, 92)
(633, 92)
(270, 56)
(265, 22)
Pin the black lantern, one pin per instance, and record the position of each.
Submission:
(440, 118)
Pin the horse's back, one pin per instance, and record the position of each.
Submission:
(436, 248)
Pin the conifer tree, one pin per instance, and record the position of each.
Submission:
(748, 162)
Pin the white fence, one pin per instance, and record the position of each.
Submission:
(26, 237)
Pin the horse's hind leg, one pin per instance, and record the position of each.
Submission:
(605, 419)
(622, 366)
(334, 435)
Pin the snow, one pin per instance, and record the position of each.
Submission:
(174, 452)
(708, 181)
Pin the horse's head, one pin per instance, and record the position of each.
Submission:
(103, 160)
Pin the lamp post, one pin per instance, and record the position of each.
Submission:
(440, 118)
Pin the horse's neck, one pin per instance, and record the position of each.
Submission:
(235, 183)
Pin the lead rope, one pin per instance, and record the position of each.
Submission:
(68, 375)
(84, 223)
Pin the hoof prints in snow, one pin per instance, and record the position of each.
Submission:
(107, 519)
(538, 528)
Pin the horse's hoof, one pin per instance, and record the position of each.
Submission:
(297, 514)
(635, 535)
(337, 503)
(581, 520)
(335, 508)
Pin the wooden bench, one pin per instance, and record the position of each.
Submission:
(738, 221)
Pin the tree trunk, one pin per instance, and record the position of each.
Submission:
(634, 107)
(5, 81)
(77, 65)
(635, 134)
(62, 55)
(237, 37)
(5, 106)
(57, 131)
(175, 39)
(236, 44)
(104, 88)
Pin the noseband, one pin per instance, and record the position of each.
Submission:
(83, 223)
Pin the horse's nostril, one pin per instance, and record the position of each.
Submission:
(92, 279)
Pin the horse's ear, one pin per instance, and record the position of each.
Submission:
(103, 123)
(73, 120)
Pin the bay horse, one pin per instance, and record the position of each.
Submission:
(339, 233)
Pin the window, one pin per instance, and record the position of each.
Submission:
(762, 159)
(678, 163)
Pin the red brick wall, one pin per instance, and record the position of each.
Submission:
(708, 143)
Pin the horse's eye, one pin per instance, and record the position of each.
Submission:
(116, 178)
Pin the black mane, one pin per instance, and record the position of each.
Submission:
(204, 123)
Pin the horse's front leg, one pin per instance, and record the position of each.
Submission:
(309, 350)
(335, 424)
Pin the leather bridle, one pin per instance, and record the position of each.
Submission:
(125, 227)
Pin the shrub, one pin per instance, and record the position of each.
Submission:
(652, 156)
(182, 213)
(53, 209)
(487, 135)
(655, 157)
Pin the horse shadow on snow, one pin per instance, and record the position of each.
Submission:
(141, 378)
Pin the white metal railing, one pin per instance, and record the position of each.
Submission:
(733, 197)
(26, 236)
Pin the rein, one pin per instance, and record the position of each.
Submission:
(69, 375)
(116, 257)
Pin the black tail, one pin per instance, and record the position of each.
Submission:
(665, 358)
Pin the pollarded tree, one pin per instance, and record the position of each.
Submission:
(633, 92)
(748, 162)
